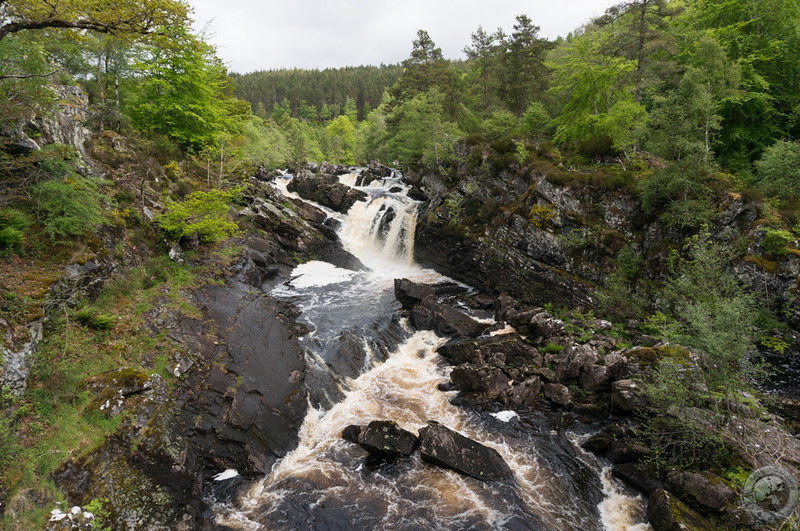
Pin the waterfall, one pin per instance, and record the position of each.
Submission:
(326, 483)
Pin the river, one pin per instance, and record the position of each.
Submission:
(327, 483)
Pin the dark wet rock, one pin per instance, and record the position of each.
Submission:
(703, 491)
(352, 433)
(594, 378)
(326, 168)
(627, 396)
(559, 394)
(444, 320)
(487, 380)
(349, 356)
(523, 395)
(327, 191)
(410, 293)
(598, 443)
(626, 451)
(667, 513)
(495, 350)
(643, 477)
(444, 447)
(788, 408)
(384, 438)
(377, 169)
(446, 386)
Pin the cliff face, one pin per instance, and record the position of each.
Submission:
(540, 239)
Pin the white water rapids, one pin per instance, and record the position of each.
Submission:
(326, 483)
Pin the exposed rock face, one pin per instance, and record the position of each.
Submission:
(384, 438)
(254, 398)
(667, 513)
(16, 363)
(444, 447)
(326, 190)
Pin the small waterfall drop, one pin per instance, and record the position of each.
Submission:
(326, 483)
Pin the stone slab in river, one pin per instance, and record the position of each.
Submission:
(446, 448)
(384, 438)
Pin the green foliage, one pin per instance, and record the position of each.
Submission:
(340, 140)
(419, 134)
(589, 83)
(778, 169)
(552, 348)
(97, 506)
(776, 242)
(184, 94)
(684, 123)
(536, 121)
(629, 262)
(679, 191)
(500, 123)
(13, 224)
(20, 99)
(541, 215)
(202, 213)
(67, 206)
(713, 313)
(91, 318)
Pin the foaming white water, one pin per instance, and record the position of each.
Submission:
(381, 232)
(317, 274)
(403, 389)
(618, 511)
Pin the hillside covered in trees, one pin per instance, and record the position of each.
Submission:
(615, 155)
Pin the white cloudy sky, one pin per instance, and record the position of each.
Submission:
(252, 35)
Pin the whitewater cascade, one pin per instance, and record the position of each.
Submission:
(326, 483)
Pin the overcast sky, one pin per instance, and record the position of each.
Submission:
(261, 35)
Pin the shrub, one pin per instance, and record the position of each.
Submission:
(13, 224)
(202, 213)
(67, 207)
(778, 169)
(777, 241)
(90, 318)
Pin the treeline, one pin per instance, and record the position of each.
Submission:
(316, 95)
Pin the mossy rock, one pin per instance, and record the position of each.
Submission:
(108, 390)
(653, 355)
(667, 513)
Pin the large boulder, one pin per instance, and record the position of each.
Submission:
(444, 320)
(559, 394)
(627, 396)
(703, 491)
(384, 438)
(494, 350)
(446, 448)
(626, 450)
(667, 513)
(645, 478)
(490, 381)
(410, 293)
